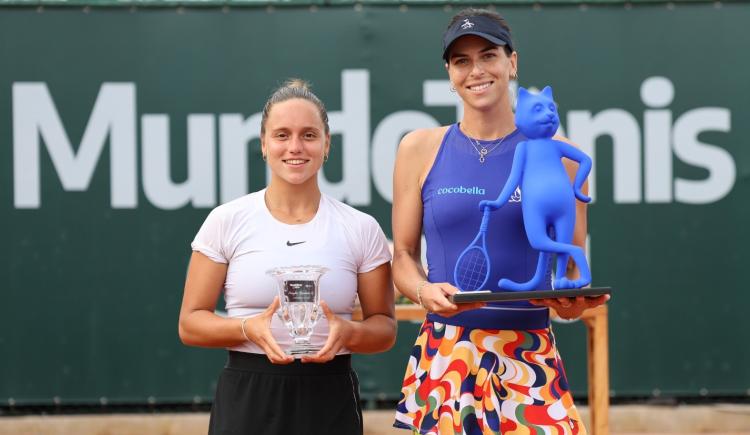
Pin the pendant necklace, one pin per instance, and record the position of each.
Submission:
(482, 149)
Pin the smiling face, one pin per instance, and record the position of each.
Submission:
(480, 71)
(295, 142)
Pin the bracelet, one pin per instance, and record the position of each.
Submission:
(242, 325)
(420, 286)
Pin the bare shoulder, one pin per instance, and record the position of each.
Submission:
(422, 141)
(417, 152)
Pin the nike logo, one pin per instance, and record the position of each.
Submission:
(288, 243)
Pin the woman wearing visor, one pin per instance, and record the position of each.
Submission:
(476, 369)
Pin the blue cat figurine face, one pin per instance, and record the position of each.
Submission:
(536, 114)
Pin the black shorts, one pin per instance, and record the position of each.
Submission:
(254, 396)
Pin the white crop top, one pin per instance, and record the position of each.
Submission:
(243, 234)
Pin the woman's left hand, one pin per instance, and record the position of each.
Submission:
(570, 308)
(338, 331)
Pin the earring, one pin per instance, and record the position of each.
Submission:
(453, 89)
(325, 158)
(265, 158)
(514, 76)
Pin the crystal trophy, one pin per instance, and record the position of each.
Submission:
(299, 298)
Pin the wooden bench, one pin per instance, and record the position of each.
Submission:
(596, 322)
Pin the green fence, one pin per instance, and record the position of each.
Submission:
(120, 128)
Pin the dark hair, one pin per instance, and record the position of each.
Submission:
(291, 89)
(476, 12)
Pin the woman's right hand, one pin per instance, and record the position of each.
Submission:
(258, 330)
(435, 299)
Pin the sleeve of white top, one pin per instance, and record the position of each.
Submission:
(210, 239)
(374, 246)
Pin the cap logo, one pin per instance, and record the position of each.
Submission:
(467, 24)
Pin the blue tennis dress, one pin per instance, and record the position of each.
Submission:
(450, 195)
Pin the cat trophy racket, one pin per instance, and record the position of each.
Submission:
(473, 265)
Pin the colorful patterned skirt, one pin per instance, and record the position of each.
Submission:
(479, 381)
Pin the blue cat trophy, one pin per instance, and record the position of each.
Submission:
(548, 197)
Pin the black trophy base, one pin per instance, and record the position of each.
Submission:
(500, 296)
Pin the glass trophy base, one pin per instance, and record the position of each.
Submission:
(303, 349)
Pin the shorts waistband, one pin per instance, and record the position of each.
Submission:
(259, 363)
